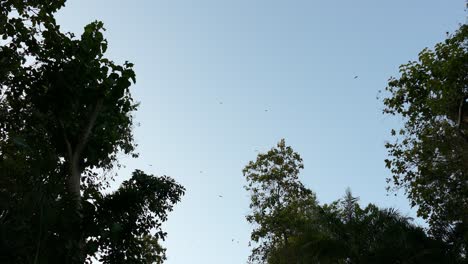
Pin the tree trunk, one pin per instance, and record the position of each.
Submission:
(74, 179)
(77, 252)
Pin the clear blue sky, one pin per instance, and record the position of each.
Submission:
(296, 59)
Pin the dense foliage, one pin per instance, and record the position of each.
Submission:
(429, 156)
(65, 114)
(279, 201)
(291, 227)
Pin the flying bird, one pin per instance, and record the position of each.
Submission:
(220, 196)
(355, 77)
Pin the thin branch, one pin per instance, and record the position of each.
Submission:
(460, 118)
(67, 142)
(460, 111)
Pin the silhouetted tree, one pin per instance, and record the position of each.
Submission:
(348, 204)
(65, 114)
(429, 157)
(371, 235)
(290, 226)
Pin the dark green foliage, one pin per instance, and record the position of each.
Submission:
(372, 235)
(279, 201)
(290, 227)
(429, 157)
(65, 114)
(120, 223)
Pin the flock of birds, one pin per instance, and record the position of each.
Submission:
(256, 150)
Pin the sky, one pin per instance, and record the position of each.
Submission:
(219, 79)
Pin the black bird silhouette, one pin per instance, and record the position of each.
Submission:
(220, 196)
(355, 77)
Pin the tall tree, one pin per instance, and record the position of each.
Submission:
(429, 157)
(348, 203)
(65, 114)
(291, 227)
(279, 201)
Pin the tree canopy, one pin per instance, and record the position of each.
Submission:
(291, 227)
(279, 201)
(66, 111)
(429, 156)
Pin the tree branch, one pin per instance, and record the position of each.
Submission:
(75, 154)
(67, 142)
(460, 117)
(83, 139)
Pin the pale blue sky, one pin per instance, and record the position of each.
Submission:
(296, 59)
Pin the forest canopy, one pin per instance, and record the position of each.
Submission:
(67, 117)
(290, 226)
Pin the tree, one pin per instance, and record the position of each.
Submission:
(120, 225)
(349, 203)
(429, 156)
(291, 227)
(371, 235)
(279, 201)
(65, 114)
